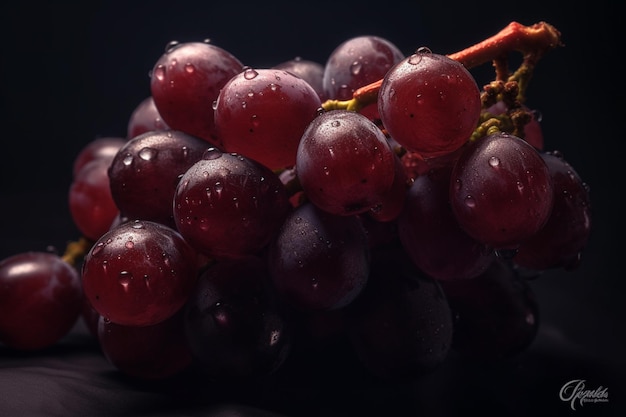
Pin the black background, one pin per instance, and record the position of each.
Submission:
(71, 73)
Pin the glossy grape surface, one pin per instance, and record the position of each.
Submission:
(145, 118)
(145, 172)
(429, 103)
(139, 273)
(319, 261)
(310, 71)
(229, 206)
(344, 163)
(40, 300)
(186, 80)
(262, 113)
(501, 191)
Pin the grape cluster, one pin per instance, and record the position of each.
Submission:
(250, 213)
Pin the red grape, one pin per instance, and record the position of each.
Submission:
(344, 163)
(262, 113)
(40, 300)
(145, 118)
(311, 71)
(233, 324)
(139, 273)
(91, 204)
(319, 261)
(429, 103)
(501, 191)
(186, 80)
(144, 173)
(151, 352)
(431, 235)
(100, 148)
(229, 206)
(560, 241)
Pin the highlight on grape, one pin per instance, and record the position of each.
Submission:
(252, 215)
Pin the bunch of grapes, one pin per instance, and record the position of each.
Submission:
(253, 214)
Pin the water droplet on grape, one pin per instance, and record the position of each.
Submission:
(335, 123)
(137, 225)
(249, 74)
(415, 59)
(423, 50)
(189, 68)
(355, 68)
(97, 249)
(211, 154)
(124, 278)
(128, 159)
(147, 153)
(274, 87)
(129, 244)
(494, 161)
(470, 201)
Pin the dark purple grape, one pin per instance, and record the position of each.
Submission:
(319, 261)
(91, 204)
(496, 314)
(431, 235)
(311, 71)
(501, 191)
(229, 206)
(154, 352)
(344, 163)
(186, 80)
(40, 300)
(233, 325)
(139, 273)
(262, 113)
(392, 202)
(561, 240)
(401, 324)
(429, 103)
(145, 118)
(145, 172)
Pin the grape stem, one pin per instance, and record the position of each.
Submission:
(76, 250)
(533, 42)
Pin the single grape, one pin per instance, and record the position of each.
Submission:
(311, 71)
(100, 148)
(357, 62)
(229, 206)
(91, 204)
(319, 261)
(496, 315)
(145, 172)
(232, 323)
(429, 103)
(501, 191)
(561, 240)
(262, 113)
(186, 80)
(401, 325)
(40, 300)
(145, 118)
(344, 163)
(153, 352)
(139, 273)
(431, 235)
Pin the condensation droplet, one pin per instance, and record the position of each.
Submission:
(159, 72)
(211, 153)
(189, 68)
(249, 74)
(129, 244)
(170, 46)
(147, 153)
(335, 123)
(470, 201)
(137, 225)
(124, 278)
(128, 159)
(494, 161)
(355, 68)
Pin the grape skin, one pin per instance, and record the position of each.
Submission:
(501, 191)
(229, 206)
(139, 273)
(344, 163)
(429, 104)
(40, 300)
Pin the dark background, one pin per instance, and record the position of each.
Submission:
(71, 73)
